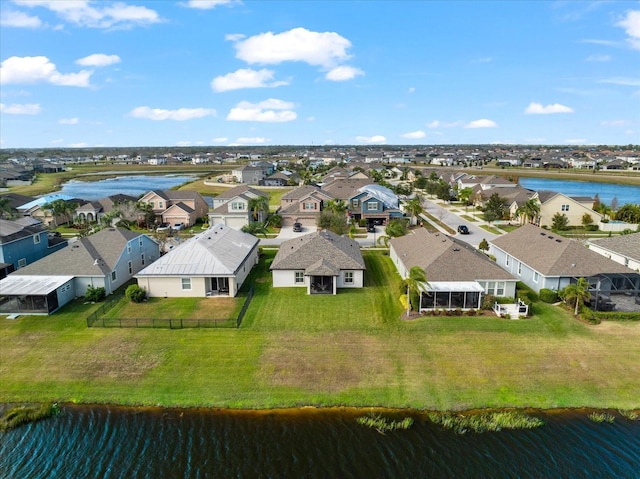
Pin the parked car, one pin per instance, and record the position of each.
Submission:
(371, 228)
(463, 230)
(297, 227)
(178, 226)
(163, 227)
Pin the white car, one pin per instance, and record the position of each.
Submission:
(178, 226)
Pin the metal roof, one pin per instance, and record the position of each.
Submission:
(15, 285)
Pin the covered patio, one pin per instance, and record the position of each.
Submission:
(450, 295)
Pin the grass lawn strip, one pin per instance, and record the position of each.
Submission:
(350, 349)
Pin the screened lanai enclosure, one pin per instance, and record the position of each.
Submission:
(450, 295)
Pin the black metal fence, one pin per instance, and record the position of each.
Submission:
(98, 319)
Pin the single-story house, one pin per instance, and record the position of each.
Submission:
(214, 262)
(623, 249)
(542, 259)
(106, 259)
(458, 275)
(321, 262)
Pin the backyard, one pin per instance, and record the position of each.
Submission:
(351, 349)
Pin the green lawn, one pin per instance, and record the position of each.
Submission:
(350, 349)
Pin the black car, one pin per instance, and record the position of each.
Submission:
(463, 230)
(371, 228)
(297, 227)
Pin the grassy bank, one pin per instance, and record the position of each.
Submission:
(350, 349)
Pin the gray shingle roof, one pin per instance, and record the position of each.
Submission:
(239, 190)
(218, 251)
(626, 245)
(553, 255)
(12, 230)
(299, 192)
(446, 259)
(306, 251)
(79, 258)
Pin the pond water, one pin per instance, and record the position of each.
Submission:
(114, 442)
(134, 185)
(607, 191)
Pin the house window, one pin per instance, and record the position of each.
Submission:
(142, 258)
(140, 242)
(310, 205)
(113, 276)
(535, 276)
(153, 204)
(128, 247)
(237, 206)
(186, 283)
(299, 277)
(36, 239)
(519, 268)
(491, 285)
(565, 208)
(355, 203)
(160, 204)
(372, 206)
(348, 277)
(22, 263)
(500, 288)
(506, 260)
(130, 268)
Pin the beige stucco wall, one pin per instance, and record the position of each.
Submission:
(574, 214)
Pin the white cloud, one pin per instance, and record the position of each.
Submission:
(441, 124)
(78, 145)
(343, 73)
(326, 49)
(598, 57)
(181, 114)
(539, 109)
(434, 124)
(83, 13)
(68, 121)
(98, 60)
(622, 81)
(57, 142)
(21, 109)
(576, 141)
(614, 123)
(19, 20)
(483, 123)
(414, 134)
(222, 139)
(631, 25)
(375, 139)
(607, 43)
(183, 143)
(411, 89)
(268, 111)
(36, 69)
(250, 141)
(245, 78)
(209, 4)
(234, 37)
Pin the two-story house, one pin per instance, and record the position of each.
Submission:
(176, 206)
(24, 241)
(233, 208)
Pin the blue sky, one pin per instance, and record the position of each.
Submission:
(86, 73)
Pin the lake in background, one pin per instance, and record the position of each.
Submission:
(607, 191)
(126, 185)
(117, 442)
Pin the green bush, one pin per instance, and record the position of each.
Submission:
(487, 302)
(135, 293)
(591, 227)
(548, 296)
(94, 295)
(616, 316)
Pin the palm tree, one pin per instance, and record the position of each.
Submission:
(258, 205)
(255, 228)
(578, 292)
(6, 211)
(530, 210)
(336, 206)
(417, 277)
(396, 228)
(414, 207)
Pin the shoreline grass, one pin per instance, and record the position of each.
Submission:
(20, 415)
(462, 423)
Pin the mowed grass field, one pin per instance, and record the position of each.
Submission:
(352, 349)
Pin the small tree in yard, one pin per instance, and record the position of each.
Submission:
(484, 245)
(587, 220)
(495, 208)
(559, 222)
(135, 293)
(416, 277)
(577, 293)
